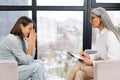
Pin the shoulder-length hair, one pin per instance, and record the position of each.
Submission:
(24, 20)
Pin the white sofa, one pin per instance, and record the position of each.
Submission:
(8, 70)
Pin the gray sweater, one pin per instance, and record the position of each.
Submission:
(12, 48)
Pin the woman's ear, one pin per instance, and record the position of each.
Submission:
(21, 26)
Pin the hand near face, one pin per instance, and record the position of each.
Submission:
(32, 38)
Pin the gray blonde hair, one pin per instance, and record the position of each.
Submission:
(105, 20)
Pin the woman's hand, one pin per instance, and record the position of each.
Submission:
(86, 59)
(32, 38)
(31, 41)
(84, 55)
(88, 62)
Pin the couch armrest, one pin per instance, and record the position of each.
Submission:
(107, 70)
(8, 70)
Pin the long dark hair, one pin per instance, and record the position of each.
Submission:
(24, 20)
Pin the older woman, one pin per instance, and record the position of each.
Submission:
(19, 45)
(108, 45)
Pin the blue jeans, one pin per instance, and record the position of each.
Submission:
(35, 70)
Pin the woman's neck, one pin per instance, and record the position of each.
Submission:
(100, 27)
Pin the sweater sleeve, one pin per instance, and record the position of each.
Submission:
(34, 49)
(16, 49)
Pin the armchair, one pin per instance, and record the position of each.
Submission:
(105, 69)
(8, 70)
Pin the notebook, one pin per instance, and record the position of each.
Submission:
(75, 56)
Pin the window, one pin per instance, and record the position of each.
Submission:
(8, 19)
(58, 32)
(108, 1)
(60, 2)
(15, 2)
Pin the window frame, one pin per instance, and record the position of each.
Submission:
(88, 5)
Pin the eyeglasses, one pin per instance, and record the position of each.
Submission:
(92, 18)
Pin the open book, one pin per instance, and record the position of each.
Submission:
(76, 56)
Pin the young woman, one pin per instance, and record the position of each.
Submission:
(19, 45)
(108, 45)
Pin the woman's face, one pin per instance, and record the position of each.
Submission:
(26, 29)
(95, 20)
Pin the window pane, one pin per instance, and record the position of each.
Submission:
(57, 33)
(8, 19)
(108, 1)
(15, 2)
(60, 2)
(115, 17)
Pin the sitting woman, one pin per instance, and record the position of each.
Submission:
(19, 45)
(108, 45)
